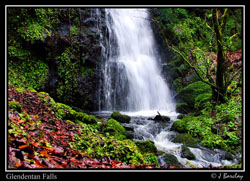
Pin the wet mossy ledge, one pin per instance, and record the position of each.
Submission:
(122, 118)
(70, 132)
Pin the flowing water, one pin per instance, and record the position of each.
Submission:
(133, 84)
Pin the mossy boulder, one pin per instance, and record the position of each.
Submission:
(115, 129)
(147, 146)
(122, 118)
(182, 107)
(67, 113)
(186, 139)
(179, 126)
(186, 153)
(171, 160)
(188, 95)
(202, 100)
(180, 116)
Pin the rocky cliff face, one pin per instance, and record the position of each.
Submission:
(74, 57)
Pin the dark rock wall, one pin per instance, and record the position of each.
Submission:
(76, 82)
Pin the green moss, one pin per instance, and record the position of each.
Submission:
(20, 90)
(182, 107)
(179, 126)
(189, 93)
(14, 105)
(67, 113)
(201, 101)
(115, 129)
(186, 139)
(122, 118)
(146, 146)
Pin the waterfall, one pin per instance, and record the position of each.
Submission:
(132, 83)
(132, 75)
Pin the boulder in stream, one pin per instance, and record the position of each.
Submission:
(186, 153)
(160, 118)
(171, 160)
(186, 139)
(122, 118)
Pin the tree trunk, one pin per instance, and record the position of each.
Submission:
(219, 26)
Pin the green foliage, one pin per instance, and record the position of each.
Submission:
(115, 129)
(65, 112)
(33, 32)
(191, 33)
(15, 106)
(98, 146)
(221, 129)
(26, 74)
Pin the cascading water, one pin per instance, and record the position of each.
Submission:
(132, 79)
(132, 83)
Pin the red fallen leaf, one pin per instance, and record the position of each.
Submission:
(49, 149)
(34, 144)
(39, 165)
(23, 146)
(18, 164)
(45, 153)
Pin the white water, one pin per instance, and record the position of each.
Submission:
(136, 65)
(133, 84)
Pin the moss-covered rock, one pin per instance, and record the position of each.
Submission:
(186, 139)
(171, 160)
(188, 95)
(180, 116)
(147, 146)
(182, 107)
(179, 126)
(186, 153)
(122, 118)
(201, 100)
(67, 113)
(115, 129)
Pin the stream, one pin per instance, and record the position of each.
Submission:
(160, 134)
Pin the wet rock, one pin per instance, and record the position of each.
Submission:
(171, 160)
(180, 116)
(229, 156)
(161, 118)
(186, 153)
(129, 135)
